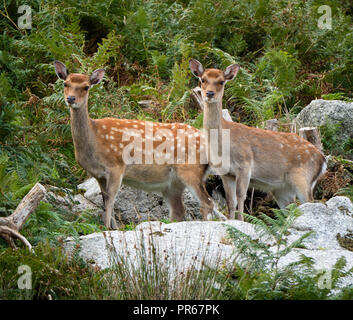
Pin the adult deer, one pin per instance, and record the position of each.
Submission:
(100, 144)
(277, 162)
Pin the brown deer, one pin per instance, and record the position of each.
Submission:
(277, 162)
(103, 145)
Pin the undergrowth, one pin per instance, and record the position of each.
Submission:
(256, 271)
(259, 271)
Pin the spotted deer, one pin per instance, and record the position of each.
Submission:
(100, 145)
(282, 163)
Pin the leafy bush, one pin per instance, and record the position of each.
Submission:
(332, 144)
(54, 276)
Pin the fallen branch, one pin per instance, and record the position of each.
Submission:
(10, 226)
(8, 234)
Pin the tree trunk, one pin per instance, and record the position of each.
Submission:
(196, 98)
(271, 124)
(226, 115)
(312, 135)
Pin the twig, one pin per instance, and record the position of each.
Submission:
(8, 17)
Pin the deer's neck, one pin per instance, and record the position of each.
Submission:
(82, 131)
(212, 116)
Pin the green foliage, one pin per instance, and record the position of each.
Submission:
(336, 96)
(347, 192)
(13, 185)
(272, 229)
(280, 67)
(286, 61)
(55, 224)
(332, 144)
(179, 92)
(54, 275)
(258, 272)
(148, 277)
(49, 222)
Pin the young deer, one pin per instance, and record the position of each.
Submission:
(100, 145)
(277, 162)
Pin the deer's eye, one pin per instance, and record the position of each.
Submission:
(203, 80)
(221, 83)
(65, 85)
(86, 88)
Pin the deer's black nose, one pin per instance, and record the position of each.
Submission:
(71, 99)
(210, 94)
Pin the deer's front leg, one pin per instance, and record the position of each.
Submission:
(192, 177)
(103, 186)
(242, 184)
(113, 184)
(229, 185)
(174, 199)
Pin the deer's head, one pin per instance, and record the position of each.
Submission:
(76, 85)
(212, 80)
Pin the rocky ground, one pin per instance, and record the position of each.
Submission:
(180, 246)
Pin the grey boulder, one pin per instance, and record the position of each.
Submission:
(193, 244)
(320, 112)
(135, 205)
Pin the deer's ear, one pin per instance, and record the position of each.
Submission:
(60, 70)
(231, 72)
(96, 76)
(196, 68)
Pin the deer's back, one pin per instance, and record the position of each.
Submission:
(271, 155)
